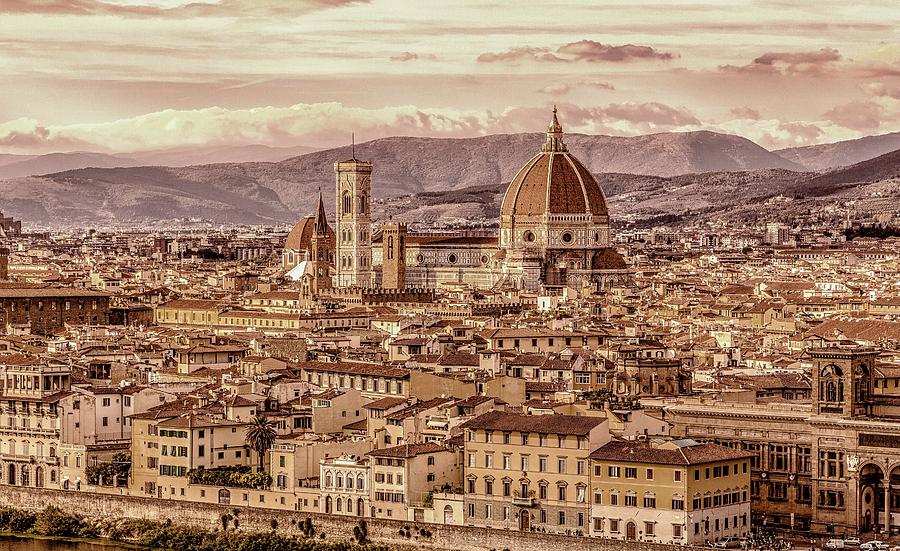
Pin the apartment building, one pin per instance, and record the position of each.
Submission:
(530, 472)
(672, 492)
(403, 476)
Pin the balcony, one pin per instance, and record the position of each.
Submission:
(523, 500)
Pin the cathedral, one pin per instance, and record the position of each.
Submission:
(554, 234)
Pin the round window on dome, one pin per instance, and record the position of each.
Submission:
(451, 259)
(420, 258)
(567, 237)
(528, 236)
(484, 259)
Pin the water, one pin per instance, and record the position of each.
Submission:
(15, 543)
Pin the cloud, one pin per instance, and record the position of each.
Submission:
(881, 90)
(220, 8)
(594, 52)
(858, 115)
(563, 88)
(792, 63)
(521, 53)
(583, 50)
(411, 56)
(745, 113)
(29, 135)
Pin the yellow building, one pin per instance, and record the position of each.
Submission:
(673, 492)
(530, 472)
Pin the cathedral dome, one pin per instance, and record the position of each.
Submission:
(554, 182)
(300, 237)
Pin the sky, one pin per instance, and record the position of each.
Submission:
(132, 75)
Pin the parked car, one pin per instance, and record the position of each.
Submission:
(874, 545)
(852, 541)
(835, 544)
(728, 543)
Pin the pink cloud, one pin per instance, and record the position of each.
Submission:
(591, 51)
(797, 63)
(521, 53)
(745, 113)
(857, 115)
(222, 8)
(881, 90)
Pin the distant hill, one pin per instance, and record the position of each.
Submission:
(660, 177)
(187, 156)
(845, 153)
(56, 162)
(883, 167)
(98, 196)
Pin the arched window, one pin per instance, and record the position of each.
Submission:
(346, 203)
(328, 480)
(360, 482)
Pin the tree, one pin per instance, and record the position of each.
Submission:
(260, 436)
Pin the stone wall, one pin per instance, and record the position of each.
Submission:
(208, 516)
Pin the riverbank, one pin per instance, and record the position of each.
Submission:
(53, 525)
(32, 542)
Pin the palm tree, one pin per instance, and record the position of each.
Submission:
(260, 436)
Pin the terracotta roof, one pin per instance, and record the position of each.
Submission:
(408, 450)
(554, 182)
(679, 452)
(352, 368)
(543, 424)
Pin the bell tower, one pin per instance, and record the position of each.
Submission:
(354, 251)
(393, 263)
(322, 249)
(842, 380)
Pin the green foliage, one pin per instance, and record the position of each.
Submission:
(231, 477)
(361, 533)
(878, 231)
(13, 520)
(260, 436)
(107, 474)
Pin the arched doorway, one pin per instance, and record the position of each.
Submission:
(328, 505)
(39, 477)
(871, 497)
(11, 474)
(631, 531)
(360, 507)
(448, 515)
(224, 497)
(524, 520)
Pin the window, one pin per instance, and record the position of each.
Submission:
(613, 472)
(524, 439)
(649, 502)
(630, 500)
(561, 465)
(561, 490)
(677, 474)
(562, 518)
(542, 464)
(649, 528)
(778, 491)
(598, 525)
(106, 402)
(676, 531)
(614, 525)
(678, 503)
(507, 462)
(489, 487)
(778, 457)
(613, 498)
(630, 472)
(201, 451)
(831, 464)
(506, 488)
(831, 498)
(580, 467)
(649, 474)
(804, 493)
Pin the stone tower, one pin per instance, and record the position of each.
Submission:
(842, 380)
(354, 251)
(393, 265)
(4, 263)
(321, 249)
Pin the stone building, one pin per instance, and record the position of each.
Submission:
(824, 466)
(45, 309)
(554, 233)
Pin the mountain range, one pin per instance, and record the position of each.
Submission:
(645, 177)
